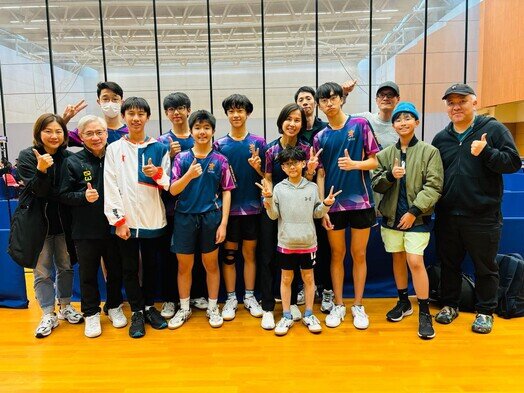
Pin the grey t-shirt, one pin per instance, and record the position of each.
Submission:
(384, 131)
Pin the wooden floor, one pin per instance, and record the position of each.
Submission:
(242, 357)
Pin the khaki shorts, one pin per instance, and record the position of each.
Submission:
(410, 242)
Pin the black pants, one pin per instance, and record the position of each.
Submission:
(130, 251)
(479, 237)
(90, 252)
(323, 265)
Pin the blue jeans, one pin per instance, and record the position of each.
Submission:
(53, 258)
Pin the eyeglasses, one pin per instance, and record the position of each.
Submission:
(178, 109)
(386, 95)
(289, 164)
(91, 134)
(332, 99)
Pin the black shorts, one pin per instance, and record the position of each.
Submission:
(291, 261)
(242, 228)
(191, 230)
(356, 219)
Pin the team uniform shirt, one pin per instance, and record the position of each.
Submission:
(204, 193)
(131, 197)
(245, 199)
(112, 136)
(270, 163)
(357, 137)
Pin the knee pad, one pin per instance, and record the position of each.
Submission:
(229, 256)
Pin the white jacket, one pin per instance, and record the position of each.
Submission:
(130, 196)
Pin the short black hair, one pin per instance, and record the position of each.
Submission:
(286, 111)
(238, 101)
(291, 153)
(202, 116)
(135, 103)
(177, 99)
(305, 89)
(113, 86)
(327, 90)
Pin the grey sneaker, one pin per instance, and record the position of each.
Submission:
(327, 301)
(70, 314)
(446, 315)
(483, 324)
(199, 302)
(46, 325)
(168, 310)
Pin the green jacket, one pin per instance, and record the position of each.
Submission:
(424, 180)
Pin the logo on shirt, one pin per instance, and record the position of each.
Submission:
(351, 135)
(211, 167)
(307, 199)
(87, 176)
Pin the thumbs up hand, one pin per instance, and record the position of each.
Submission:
(397, 170)
(44, 161)
(478, 146)
(195, 169)
(91, 194)
(174, 147)
(346, 163)
(149, 170)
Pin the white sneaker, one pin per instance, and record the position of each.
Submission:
(327, 301)
(336, 316)
(251, 304)
(268, 320)
(360, 318)
(295, 312)
(215, 319)
(70, 314)
(168, 310)
(199, 302)
(301, 297)
(283, 326)
(178, 320)
(229, 309)
(46, 325)
(117, 317)
(312, 323)
(93, 328)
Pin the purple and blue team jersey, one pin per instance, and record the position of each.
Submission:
(357, 137)
(204, 193)
(270, 163)
(245, 199)
(112, 136)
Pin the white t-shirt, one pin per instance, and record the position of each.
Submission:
(384, 130)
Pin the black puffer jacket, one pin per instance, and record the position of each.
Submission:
(30, 225)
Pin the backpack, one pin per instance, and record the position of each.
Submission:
(467, 295)
(511, 286)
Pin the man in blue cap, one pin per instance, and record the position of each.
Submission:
(410, 177)
(476, 151)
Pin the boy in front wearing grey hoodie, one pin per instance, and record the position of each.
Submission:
(295, 202)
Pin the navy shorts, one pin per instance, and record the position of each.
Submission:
(243, 228)
(192, 229)
(292, 261)
(356, 219)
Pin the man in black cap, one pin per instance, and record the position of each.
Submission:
(476, 151)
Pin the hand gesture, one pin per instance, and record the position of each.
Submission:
(43, 161)
(312, 164)
(255, 161)
(149, 170)
(346, 163)
(406, 221)
(123, 232)
(72, 110)
(348, 86)
(195, 169)
(221, 234)
(174, 147)
(91, 193)
(266, 192)
(326, 223)
(478, 146)
(330, 199)
(398, 171)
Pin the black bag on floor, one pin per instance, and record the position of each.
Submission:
(511, 286)
(467, 295)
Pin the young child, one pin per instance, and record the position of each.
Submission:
(349, 149)
(177, 107)
(202, 179)
(295, 202)
(242, 150)
(136, 169)
(410, 176)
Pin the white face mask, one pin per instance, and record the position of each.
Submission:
(110, 109)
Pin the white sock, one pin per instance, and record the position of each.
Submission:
(212, 304)
(184, 304)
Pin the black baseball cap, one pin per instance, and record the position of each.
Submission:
(458, 88)
(391, 85)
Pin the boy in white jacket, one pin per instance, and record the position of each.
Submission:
(295, 202)
(136, 169)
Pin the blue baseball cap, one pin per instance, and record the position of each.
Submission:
(404, 107)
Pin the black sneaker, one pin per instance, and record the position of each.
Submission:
(401, 310)
(137, 328)
(425, 326)
(154, 318)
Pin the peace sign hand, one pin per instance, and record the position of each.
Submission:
(312, 164)
(346, 163)
(266, 192)
(255, 161)
(72, 110)
(330, 199)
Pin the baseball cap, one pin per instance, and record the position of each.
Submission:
(404, 107)
(458, 88)
(391, 85)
